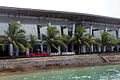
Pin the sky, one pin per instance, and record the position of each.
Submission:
(109, 8)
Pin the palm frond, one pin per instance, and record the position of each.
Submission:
(4, 45)
(54, 46)
(86, 43)
(24, 42)
(60, 43)
(21, 46)
(15, 45)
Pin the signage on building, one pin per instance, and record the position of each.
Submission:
(37, 54)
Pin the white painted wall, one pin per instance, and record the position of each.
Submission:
(112, 33)
(98, 33)
(3, 27)
(30, 29)
(65, 31)
(43, 30)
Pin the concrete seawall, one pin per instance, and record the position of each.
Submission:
(30, 64)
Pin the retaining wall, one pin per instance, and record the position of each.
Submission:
(27, 64)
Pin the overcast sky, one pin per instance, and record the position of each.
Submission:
(99, 7)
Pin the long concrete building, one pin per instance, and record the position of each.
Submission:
(34, 21)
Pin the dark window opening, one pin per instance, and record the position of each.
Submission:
(38, 29)
(5, 52)
(54, 50)
(44, 48)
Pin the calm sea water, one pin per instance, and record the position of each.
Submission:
(109, 72)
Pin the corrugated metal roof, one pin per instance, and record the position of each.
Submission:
(71, 16)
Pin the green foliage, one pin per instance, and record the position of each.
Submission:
(107, 39)
(90, 39)
(65, 38)
(79, 38)
(118, 42)
(33, 41)
(52, 38)
(16, 36)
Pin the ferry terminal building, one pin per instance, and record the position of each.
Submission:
(35, 21)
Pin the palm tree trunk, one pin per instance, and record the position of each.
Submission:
(110, 48)
(49, 49)
(59, 50)
(16, 52)
(79, 48)
(13, 54)
(11, 50)
(27, 53)
(66, 48)
(90, 49)
(103, 48)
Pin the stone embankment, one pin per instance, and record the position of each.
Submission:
(31, 64)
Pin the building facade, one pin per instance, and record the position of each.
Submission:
(35, 22)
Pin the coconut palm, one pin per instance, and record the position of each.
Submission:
(33, 41)
(51, 39)
(106, 40)
(65, 38)
(79, 38)
(90, 41)
(16, 37)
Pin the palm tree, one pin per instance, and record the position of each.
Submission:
(52, 39)
(65, 38)
(106, 40)
(33, 41)
(90, 41)
(79, 38)
(16, 37)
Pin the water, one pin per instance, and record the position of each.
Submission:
(109, 72)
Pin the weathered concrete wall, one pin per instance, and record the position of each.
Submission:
(27, 64)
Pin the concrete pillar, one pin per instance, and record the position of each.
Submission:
(99, 48)
(91, 28)
(59, 50)
(84, 49)
(112, 48)
(27, 53)
(91, 48)
(73, 32)
(104, 48)
(49, 24)
(17, 52)
(41, 47)
(106, 29)
(48, 46)
(117, 36)
(11, 50)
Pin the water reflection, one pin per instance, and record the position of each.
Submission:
(111, 74)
